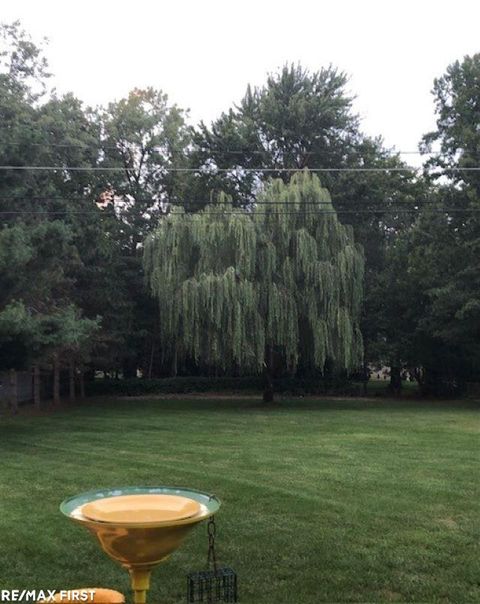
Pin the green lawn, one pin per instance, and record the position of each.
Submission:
(323, 501)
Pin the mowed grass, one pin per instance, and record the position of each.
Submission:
(323, 501)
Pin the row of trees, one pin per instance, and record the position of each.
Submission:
(73, 289)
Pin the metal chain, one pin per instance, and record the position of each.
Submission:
(211, 530)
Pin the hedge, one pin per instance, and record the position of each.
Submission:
(253, 384)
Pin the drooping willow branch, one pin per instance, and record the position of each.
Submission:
(230, 283)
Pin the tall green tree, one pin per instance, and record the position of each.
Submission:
(426, 299)
(39, 323)
(42, 129)
(457, 105)
(244, 290)
(306, 119)
(301, 119)
(428, 305)
(297, 119)
(145, 139)
(454, 316)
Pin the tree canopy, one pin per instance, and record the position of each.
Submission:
(234, 287)
(72, 282)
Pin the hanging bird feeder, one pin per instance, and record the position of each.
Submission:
(216, 584)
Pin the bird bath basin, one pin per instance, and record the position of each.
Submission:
(139, 527)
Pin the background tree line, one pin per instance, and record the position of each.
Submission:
(73, 293)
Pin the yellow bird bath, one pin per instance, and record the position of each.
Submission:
(139, 527)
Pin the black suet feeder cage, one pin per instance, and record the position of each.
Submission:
(216, 584)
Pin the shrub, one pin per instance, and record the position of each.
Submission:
(251, 384)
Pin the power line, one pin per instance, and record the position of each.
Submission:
(238, 169)
(311, 153)
(188, 204)
(101, 147)
(253, 214)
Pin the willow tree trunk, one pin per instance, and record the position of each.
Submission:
(13, 391)
(395, 386)
(150, 364)
(268, 393)
(174, 363)
(36, 386)
(56, 380)
(71, 381)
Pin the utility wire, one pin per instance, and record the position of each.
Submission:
(253, 213)
(206, 203)
(101, 147)
(238, 169)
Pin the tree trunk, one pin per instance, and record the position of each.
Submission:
(36, 386)
(129, 368)
(13, 391)
(174, 363)
(81, 379)
(434, 382)
(366, 378)
(56, 380)
(395, 386)
(71, 381)
(150, 365)
(268, 393)
(418, 375)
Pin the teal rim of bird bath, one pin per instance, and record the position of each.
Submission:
(211, 502)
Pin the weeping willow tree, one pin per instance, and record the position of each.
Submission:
(239, 288)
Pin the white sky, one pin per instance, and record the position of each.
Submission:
(203, 53)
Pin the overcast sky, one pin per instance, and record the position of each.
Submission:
(203, 53)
